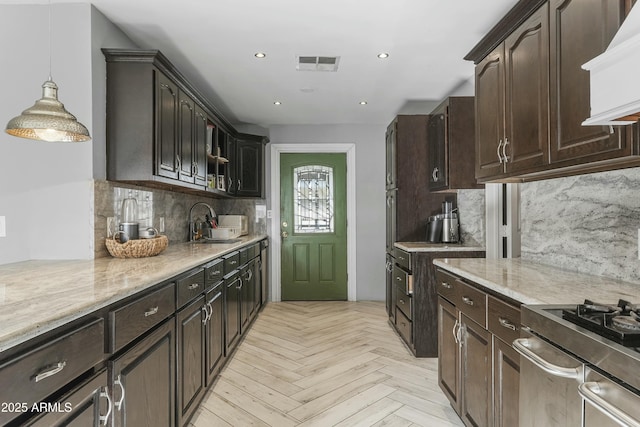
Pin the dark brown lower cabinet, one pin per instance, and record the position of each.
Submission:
(448, 352)
(232, 305)
(190, 335)
(475, 408)
(506, 380)
(88, 405)
(142, 381)
(214, 333)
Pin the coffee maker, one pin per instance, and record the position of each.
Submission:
(450, 228)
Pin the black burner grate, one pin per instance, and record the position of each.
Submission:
(599, 320)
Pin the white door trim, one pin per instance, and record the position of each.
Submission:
(276, 150)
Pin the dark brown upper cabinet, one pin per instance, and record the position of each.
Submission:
(451, 137)
(532, 94)
(162, 132)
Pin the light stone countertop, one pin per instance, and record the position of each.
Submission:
(532, 283)
(39, 296)
(436, 247)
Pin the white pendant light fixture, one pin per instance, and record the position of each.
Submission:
(47, 119)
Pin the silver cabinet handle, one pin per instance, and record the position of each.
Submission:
(594, 393)
(119, 403)
(446, 285)
(434, 174)
(206, 314)
(239, 184)
(151, 312)
(233, 262)
(240, 285)
(506, 323)
(250, 275)
(389, 181)
(50, 371)
(210, 311)
(194, 286)
(401, 301)
(230, 184)
(453, 331)
(504, 150)
(523, 346)
(178, 162)
(467, 300)
(498, 151)
(104, 419)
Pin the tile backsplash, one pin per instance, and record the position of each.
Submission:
(172, 206)
(471, 211)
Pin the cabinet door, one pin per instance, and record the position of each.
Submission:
(166, 127)
(476, 408)
(201, 138)
(506, 384)
(190, 337)
(448, 353)
(87, 405)
(215, 334)
(249, 168)
(186, 119)
(579, 31)
(437, 140)
(489, 76)
(246, 290)
(390, 156)
(142, 381)
(232, 313)
(527, 94)
(257, 285)
(390, 287)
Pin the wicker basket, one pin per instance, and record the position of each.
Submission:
(138, 248)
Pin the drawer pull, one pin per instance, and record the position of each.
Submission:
(399, 279)
(214, 272)
(104, 419)
(119, 403)
(446, 285)
(151, 312)
(50, 371)
(402, 301)
(467, 300)
(233, 262)
(194, 286)
(506, 323)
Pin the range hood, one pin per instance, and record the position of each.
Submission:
(615, 77)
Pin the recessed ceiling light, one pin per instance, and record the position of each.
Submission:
(383, 55)
(260, 55)
(363, 102)
(277, 103)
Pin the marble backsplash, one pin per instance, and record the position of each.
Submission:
(172, 206)
(586, 223)
(471, 208)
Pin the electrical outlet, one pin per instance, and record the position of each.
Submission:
(161, 225)
(111, 226)
(3, 226)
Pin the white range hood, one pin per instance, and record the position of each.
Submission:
(615, 77)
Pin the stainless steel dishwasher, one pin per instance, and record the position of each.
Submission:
(578, 366)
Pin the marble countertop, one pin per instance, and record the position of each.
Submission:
(38, 296)
(437, 247)
(532, 283)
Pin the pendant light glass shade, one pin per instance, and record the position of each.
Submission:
(48, 120)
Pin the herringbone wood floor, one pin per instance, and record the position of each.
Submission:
(325, 364)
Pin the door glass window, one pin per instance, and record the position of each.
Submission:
(313, 199)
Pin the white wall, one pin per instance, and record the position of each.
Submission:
(370, 193)
(46, 189)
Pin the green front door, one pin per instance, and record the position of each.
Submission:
(313, 227)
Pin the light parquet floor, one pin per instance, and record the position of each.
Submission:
(325, 364)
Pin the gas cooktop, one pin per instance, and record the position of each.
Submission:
(619, 323)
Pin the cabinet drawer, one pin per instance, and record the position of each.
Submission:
(214, 272)
(190, 287)
(503, 320)
(403, 258)
(34, 376)
(446, 285)
(231, 262)
(134, 319)
(243, 256)
(403, 302)
(403, 325)
(473, 303)
(403, 280)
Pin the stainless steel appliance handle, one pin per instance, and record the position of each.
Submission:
(522, 346)
(592, 393)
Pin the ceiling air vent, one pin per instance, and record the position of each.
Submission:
(317, 63)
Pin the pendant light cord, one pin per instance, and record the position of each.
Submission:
(50, 44)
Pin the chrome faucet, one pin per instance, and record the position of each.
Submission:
(192, 226)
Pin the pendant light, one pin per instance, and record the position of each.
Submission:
(47, 119)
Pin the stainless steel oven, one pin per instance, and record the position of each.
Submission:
(571, 376)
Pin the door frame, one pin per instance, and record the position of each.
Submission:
(276, 246)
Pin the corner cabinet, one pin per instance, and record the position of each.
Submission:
(162, 132)
(532, 94)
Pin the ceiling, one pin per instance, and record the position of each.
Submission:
(213, 43)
